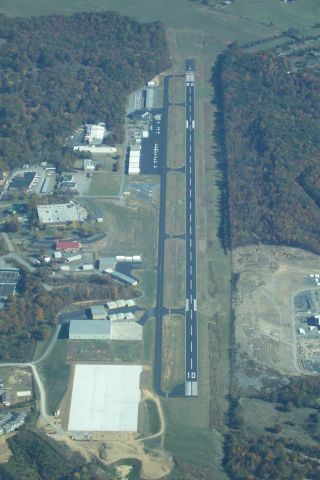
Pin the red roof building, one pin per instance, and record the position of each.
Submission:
(61, 245)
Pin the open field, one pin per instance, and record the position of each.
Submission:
(104, 351)
(173, 358)
(148, 286)
(177, 90)
(176, 203)
(174, 278)
(55, 374)
(176, 139)
(131, 228)
(105, 183)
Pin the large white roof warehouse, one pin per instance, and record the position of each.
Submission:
(105, 398)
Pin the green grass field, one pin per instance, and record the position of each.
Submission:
(105, 183)
(55, 375)
(148, 286)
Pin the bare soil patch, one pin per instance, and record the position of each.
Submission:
(265, 277)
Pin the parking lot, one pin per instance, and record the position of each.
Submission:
(151, 147)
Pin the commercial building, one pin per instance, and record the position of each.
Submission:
(95, 149)
(23, 181)
(8, 281)
(90, 330)
(105, 398)
(98, 312)
(69, 245)
(61, 213)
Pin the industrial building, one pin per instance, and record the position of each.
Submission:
(8, 281)
(98, 312)
(95, 149)
(149, 98)
(125, 329)
(106, 262)
(67, 246)
(105, 398)
(90, 330)
(61, 213)
(23, 181)
(121, 277)
(134, 160)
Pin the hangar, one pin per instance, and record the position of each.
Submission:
(105, 398)
(90, 329)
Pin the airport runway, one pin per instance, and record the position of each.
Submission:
(191, 336)
(190, 386)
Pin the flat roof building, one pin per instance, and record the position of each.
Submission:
(70, 245)
(8, 281)
(61, 213)
(90, 330)
(98, 312)
(105, 398)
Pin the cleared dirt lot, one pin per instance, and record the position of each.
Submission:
(265, 278)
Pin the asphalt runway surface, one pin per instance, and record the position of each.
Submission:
(190, 387)
(191, 336)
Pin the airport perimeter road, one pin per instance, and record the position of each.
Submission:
(191, 337)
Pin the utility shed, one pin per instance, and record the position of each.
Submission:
(90, 330)
(98, 312)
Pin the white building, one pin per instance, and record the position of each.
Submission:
(94, 134)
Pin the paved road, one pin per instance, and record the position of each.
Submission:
(191, 351)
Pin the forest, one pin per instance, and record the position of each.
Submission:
(270, 145)
(58, 72)
(275, 454)
(32, 310)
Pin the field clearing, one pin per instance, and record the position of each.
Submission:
(173, 348)
(105, 183)
(148, 285)
(176, 203)
(104, 351)
(55, 375)
(177, 90)
(174, 278)
(131, 228)
(176, 140)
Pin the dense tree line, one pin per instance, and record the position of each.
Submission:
(271, 146)
(250, 456)
(33, 309)
(57, 72)
(36, 458)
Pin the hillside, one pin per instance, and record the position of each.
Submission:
(59, 71)
(271, 148)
